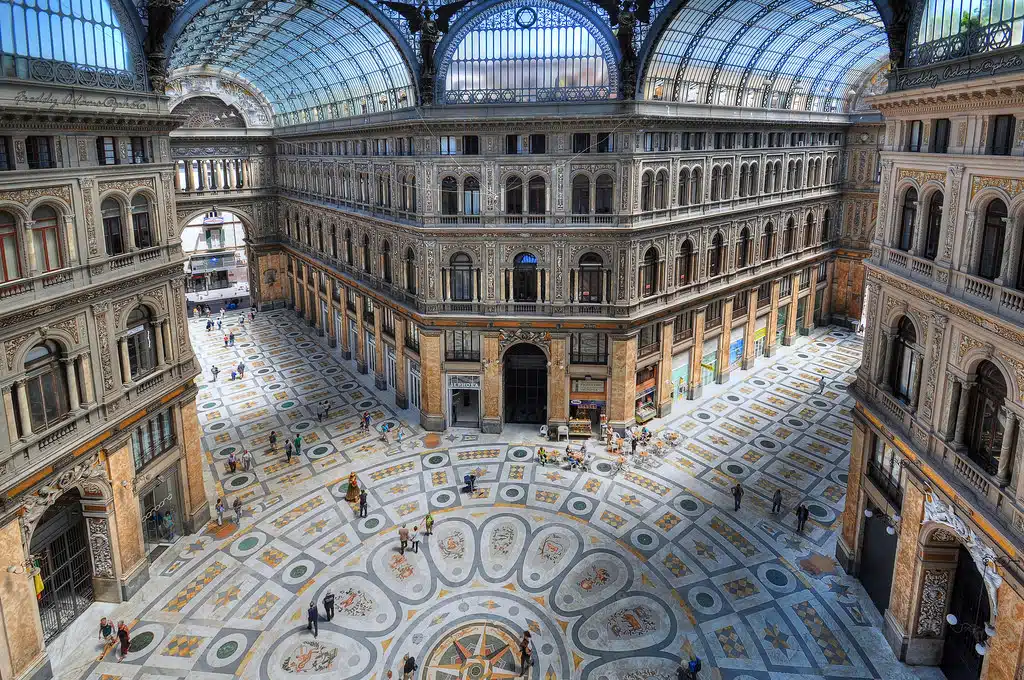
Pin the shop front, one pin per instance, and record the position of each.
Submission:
(681, 375)
(780, 329)
(646, 394)
(161, 510)
(709, 362)
(413, 384)
(464, 400)
(586, 406)
(736, 346)
(760, 337)
(801, 314)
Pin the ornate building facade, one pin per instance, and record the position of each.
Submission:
(933, 522)
(99, 444)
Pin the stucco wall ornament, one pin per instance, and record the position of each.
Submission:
(518, 335)
(99, 542)
(940, 512)
(932, 614)
(45, 495)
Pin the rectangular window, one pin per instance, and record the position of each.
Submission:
(739, 305)
(461, 346)
(513, 145)
(106, 150)
(719, 140)
(656, 141)
(387, 321)
(588, 348)
(412, 336)
(447, 146)
(713, 315)
(649, 341)
(152, 437)
(822, 271)
(764, 294)
(538, 144)
(1002, 135)
(581, 142)
(6, 159)
(368, 309)
(885, 469)
(940, 137)
(697, 139)
(604, 142)
(914, 141)
(682, 327)
(350, 300)
(805, 279)
(471, 145)
(137, 150)
(785, 286)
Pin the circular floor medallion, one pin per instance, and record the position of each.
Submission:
(319, 451)
(704, 416)
(480, 650)
(442, 499)
(217, 426)
(435, 460)
(734, 398)
(298, 572)
(580, 506)
(768, 444)
(140, 642)
(240, 481)
(519, 453)
(704, 600)
(759, 382)
(644, 540)
(776, 578)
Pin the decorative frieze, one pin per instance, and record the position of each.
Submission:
(1008, 184)
(128, 185)
(920, 176)
(26, 196)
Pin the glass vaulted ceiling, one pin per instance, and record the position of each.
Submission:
(313, 61)
(777, 54)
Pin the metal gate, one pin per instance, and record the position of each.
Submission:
(66, 570)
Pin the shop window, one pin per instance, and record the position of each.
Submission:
(588, 348)
(153, 437)
(461, 346)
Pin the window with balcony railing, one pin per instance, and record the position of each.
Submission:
(682, 326)
(885, 469)
(713, 315)
(368, 310)
(152, 437)
(461, 346)
(387, 321)
(412, 336)
(588, 348)
(764, 295)
(739, 305)
(649, 341)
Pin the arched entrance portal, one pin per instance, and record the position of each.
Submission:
(218, 261)
(61, 547)
(969, 603)
(526, 385)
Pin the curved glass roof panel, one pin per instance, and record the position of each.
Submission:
(541, 51)
(82, 32)
(313, 62)
(780, 54)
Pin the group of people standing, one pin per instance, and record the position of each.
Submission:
(120, 637)
(802, 513)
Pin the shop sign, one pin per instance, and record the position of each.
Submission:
(760, 333)
(584, 385)
(644, 393)
(646, 386)
(736, 351)
(586, 403)
(464, 382)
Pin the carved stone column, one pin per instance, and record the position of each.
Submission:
(380, 381)
(724, 340)
(1005, 457)
(72, 380)
(432, 389)
(165, 328)
(622, 391)
(748, 331)
(158, 340)
(126, 367)
(360, 337)
(558, 383)
(967, 246)
(697, 354)
(24, 415)
(401, 372)
(773, 320)
(963, 401)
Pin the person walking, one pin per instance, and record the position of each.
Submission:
(400, 431)
(273, 441)
(366, 420)
(416, 539)
(241, 369)
(802, 513)
(403, 539)
(409, 668)
(327, 409)
(220, 512)
(298, 444)
(288, 452)
(821, 385)
(362, 502)
(125, 639)
(634, 444)
(214, 371)
(232, 462)
(225, 340)
(329, 605)
(107, 631)
(231, 338)
(777, 501)
(737, 495)
(428, 524)
(237, 506)
(246, 460)
(524, 653)
(313, 618)
(220, 325)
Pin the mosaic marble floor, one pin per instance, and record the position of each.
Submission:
(618, 577)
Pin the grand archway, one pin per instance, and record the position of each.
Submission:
(526, 384)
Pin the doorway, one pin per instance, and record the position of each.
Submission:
(969, 603)
(465, 408)
(65, 566)
(878, 556)
(526, 385)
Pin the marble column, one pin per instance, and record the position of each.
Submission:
(490, 355)
(946, 423)
(20, 629)
(380, 380)
(1005, 459)
(622, 391)
(85, 366)
(794, 302)
(11, 413)
(664, 387)
(963, 402)
(431, 379)
(401, 372)
(126, 367)
(558, 383)
(24, 414)
(72, 380)
(360, 337)
(811, 298)
(158, 337)
(771, 331)
(884, 357)
(165, 329)
(748, 332)
(697, 354)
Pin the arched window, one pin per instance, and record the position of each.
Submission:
(752, 184)
(538, 197)
(649, 273)
(661, 190)
(141, 343)
(580, 195)
(931, 238)
(778, 176)
(696, 187)
(349, 258)
(727, 183)
(10, 255)
(768, 242)
(809, 231)
(410, 271)
(716, 256)
(461, 278)
(826, 226)
(590, 278)
(141, 222)
(744, 179)
(334, 241)
(45, 386)
(799, 174)
(514, 196)
(789, 237)
(46, 239)
(909, 215)
(986, 425)
(320, 236)
(471, 196)
(524, 278)
(449, 196)
(791, 176)
(716, 178)
(684, 265)
(743, 249)
(904, 372)
(684, 187)
(993, 232)
(113, 233)
(385, 261)
(646, 191)
(604, 195)
(769, 176)
(366, 252)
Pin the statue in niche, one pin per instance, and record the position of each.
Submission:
(626, 14)
(431, 25)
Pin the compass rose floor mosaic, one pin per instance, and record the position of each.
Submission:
(618, 576)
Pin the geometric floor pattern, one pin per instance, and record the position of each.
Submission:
(616, 575)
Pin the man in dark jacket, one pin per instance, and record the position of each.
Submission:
(313, 618)
(737, 495)
(329, 605)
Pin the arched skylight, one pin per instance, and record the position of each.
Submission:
(527, 53)
(779, 54)
(950, 29)
(81, 32)
(313, 61)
